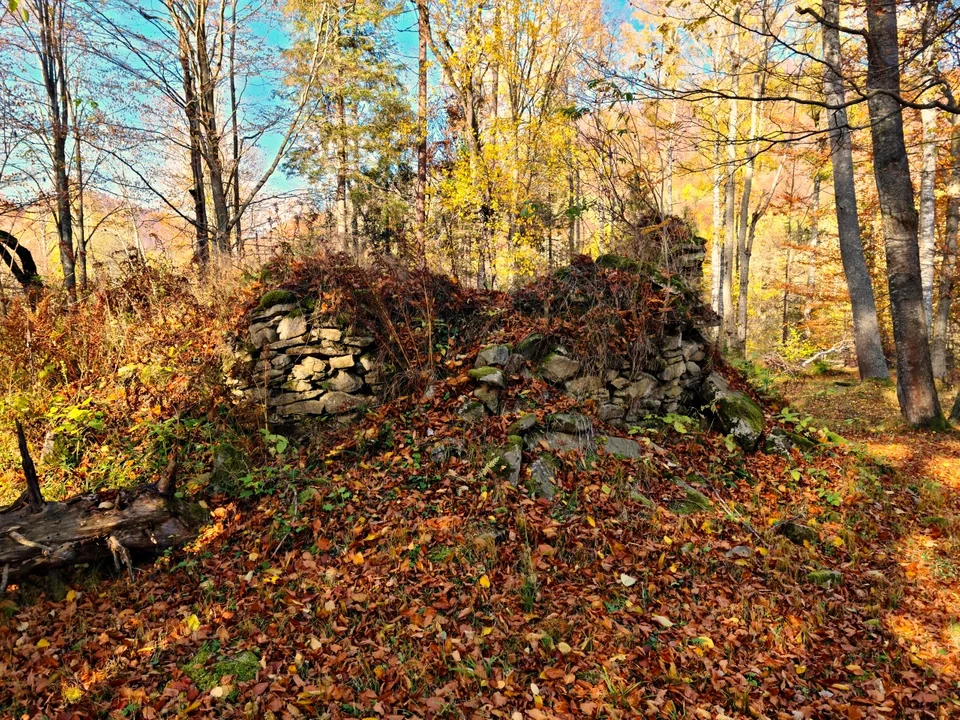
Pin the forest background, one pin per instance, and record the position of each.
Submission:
(497, 140)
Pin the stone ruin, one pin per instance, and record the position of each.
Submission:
(302, 362)
(669, 382)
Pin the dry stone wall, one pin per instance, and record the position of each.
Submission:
(301, 362)
(668, 382)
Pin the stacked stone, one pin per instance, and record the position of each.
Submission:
(301, 363)
(623, 395)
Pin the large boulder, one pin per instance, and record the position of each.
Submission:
(738, 415)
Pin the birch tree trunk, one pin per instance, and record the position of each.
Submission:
(866, 330)
(927, 223)
(716, 255)
(915, 387)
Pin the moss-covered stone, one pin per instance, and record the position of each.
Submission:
(277, 297)
(522, 425)
(781, 442)
(742, 418)
(488, 376)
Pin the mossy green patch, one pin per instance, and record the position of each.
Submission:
(206, 676)
(277, 297)
(825, 578)
(481, 372)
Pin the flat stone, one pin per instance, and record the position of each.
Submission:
(293, 397)
(341, 362)
(557, 369)
(336, 403)
(584, 386)
(493, 355)
(273, 311)
(691, 368)
(308, 368)
(610, 412)
(570, 423)
(262, 334)
(619, 382)
(323, 333)
(522, 424)
(310, 407)
(488, 376)
(292, 326)
(343, 382)
(559, 442)
(621, 447)
(358, 341)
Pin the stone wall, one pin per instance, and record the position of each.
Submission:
(302, 362)
(669, 382)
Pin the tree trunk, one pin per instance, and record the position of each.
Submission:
(729, 233)
(866, 330)
(941, 320)
(421, 199)
(814, 242)
(927, 222)
(206, 94)
(915, 387)
(81, 224)
(198, 193)
(51, 53)
(234, 110)
(37, 536)
(716, 254)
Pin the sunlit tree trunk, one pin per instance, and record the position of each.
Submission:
(927, 222)
(198, 191)
(716, 254)
(948, 269)
(81, 265)
(866, 329)
(915, 387)
(814, 242)
(421, 199)
(235, 131)
(730, 188)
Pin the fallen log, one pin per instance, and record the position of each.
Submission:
(38, 536)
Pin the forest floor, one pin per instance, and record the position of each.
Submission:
(355, 580)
